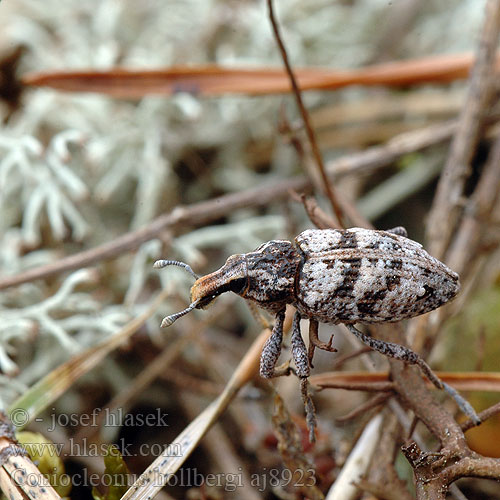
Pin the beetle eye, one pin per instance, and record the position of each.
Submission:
(205, 301)
(238, 285)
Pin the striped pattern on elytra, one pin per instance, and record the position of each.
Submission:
(367, 276)
(333, 276)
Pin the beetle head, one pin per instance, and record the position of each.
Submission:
(266, 276)
(231, 277)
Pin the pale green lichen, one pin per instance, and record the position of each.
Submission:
(34, 182)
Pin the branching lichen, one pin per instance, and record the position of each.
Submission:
(68, 316)
(34, 182)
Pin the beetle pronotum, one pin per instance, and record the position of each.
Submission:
(333, 276)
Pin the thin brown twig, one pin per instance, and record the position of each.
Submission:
(205, 80)
(484, 415)
(305, 117)
(373, 402)
(339, 361)
(470, 466)
(316, 215)
(356, 386)
(186, 382)
(412, 428)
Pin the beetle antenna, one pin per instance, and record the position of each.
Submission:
(168, 320)
(164, 263)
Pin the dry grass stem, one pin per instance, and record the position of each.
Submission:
(358, 462)
(214, 80)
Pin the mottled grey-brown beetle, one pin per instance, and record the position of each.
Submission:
(333, 276)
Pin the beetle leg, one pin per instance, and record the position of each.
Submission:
(309, 408)
(302, 368)
(272, 350)
(299, 351)
(396, 351)
(313, 333)
(399, 230)
(314, 341)
(408, 356)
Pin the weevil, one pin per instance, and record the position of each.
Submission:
(333, 276)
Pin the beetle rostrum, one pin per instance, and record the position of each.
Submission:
(333, 276)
